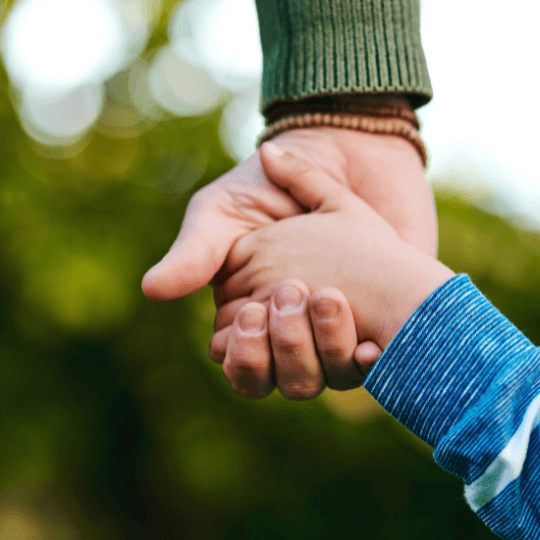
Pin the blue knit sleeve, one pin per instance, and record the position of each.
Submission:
(467, 381)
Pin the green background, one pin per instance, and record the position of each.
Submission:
(114, 421)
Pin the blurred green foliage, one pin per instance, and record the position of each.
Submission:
(115, 423)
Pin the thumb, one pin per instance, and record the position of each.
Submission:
(308, 184)
(219, 214)
(196, 255)
(190, 264)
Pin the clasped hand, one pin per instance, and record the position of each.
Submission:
(342, 245)
(264, 235)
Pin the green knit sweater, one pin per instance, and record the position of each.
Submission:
(320, 47)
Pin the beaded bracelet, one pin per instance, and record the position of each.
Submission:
(378, 105)
(379, 124)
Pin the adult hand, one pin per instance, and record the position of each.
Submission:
(384, 170)
(277, 344)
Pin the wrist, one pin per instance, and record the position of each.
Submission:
(420, 278)
(408, 277)
(380, 114)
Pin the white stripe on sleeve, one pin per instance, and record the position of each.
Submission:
(507, 465)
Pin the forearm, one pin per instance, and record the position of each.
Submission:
(331, 47)
(465, 380)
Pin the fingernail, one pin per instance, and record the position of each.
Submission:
(252, 320)
(274, 149)
(288, 298)
(326, 309)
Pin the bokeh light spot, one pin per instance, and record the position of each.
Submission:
(224, 40)
(61, 119)
(182, 88)
(60, 44)
(242, 123)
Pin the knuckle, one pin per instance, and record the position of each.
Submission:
(238, 367)
(247, 380)
(288, 346)
(215, 354)
(335, 352)
(300, 390)
(249, 360)
(247, 387)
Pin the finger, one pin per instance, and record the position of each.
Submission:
(226, 314)
(365, 355)
(335, 336)
(298, 372)
(248, 360)
(218, 344)
(195, 256)
(309, 185)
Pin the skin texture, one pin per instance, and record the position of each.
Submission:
(343, 243)
(385, 171)
(303, 337)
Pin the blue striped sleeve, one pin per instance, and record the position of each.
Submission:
(467, 381)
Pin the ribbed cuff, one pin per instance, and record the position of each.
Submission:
(321, 47)
(443, 359)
